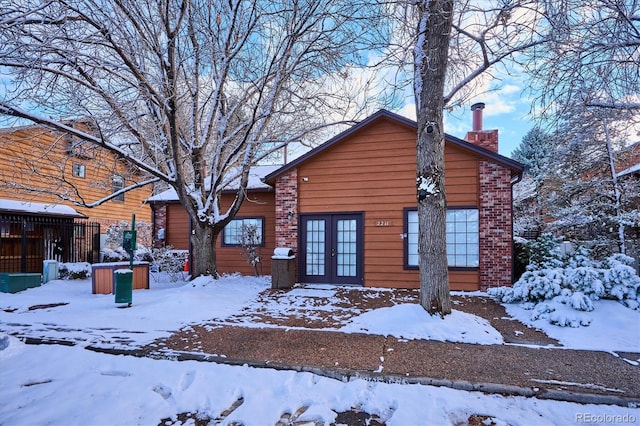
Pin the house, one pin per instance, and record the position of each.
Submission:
(41, 172)
(348, 209)
(172, 226)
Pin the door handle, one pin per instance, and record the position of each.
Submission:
(333, 252)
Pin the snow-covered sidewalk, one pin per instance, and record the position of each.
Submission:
(70, 385)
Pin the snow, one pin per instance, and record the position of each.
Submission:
(573, 291)
(256, 174)
(427, 184)
(38, 208)
(411, 321)
(613, 327)
(633, 169)
(55, 384)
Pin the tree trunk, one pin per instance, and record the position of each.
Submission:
(430, 55)
(203, 250)
(616, 188)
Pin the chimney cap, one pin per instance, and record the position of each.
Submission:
(477, 105)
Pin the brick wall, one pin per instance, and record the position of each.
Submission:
(287, 210)
(495, 226)
(484, 138)
(160, 222)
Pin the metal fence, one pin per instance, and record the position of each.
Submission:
(26, 241)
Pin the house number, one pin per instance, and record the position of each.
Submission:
(382, 223)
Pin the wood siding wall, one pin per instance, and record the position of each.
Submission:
(374, 172)
(36, 158)
(232, 259)
(177, 227)
(229, 259)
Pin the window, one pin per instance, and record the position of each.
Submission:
(232, 234)
(463, 238)
(118, 184)
(78, 170)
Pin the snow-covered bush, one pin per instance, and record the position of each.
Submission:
(119, 254)
(114, 252)
(168, 260)
(114, 255)
(74, 271)
(574, 280)
(543, 252)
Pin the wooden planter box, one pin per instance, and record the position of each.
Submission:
(15, 282)
(102, 276)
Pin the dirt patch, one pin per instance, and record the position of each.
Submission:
(512, 330)
(48, 306)
(324, 307)
(318, 307)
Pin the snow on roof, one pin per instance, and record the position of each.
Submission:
(28, 207)
(256, 174)
(632, 169)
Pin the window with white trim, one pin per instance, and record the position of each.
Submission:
(232, 234)
(79, 170)
(117, 183)
(463, 238)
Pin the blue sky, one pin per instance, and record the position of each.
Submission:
(506, 109)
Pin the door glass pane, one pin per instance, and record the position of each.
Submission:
(315, 247)
(346, 248)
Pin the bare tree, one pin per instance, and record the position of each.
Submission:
(456, 44)
(592, 57)
(587, 199)
(188, 91)
(431, 55)
(587, 82)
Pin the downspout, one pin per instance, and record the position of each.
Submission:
(514, 179)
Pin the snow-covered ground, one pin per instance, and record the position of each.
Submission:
(53, 384)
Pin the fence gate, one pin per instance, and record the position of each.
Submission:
(26, 241)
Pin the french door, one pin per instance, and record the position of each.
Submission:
(331, 248)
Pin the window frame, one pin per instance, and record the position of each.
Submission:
(114, 188)
(405, 219)
(262, 220)
(81, 168)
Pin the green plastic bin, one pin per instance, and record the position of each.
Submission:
(16, 282)
(123, 279)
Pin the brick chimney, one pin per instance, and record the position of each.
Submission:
(487, 139)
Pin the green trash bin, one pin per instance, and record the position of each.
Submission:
(123, 283)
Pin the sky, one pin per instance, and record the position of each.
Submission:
(507, 108)
(55, 384)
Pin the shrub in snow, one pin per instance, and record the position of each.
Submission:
(119, 254)
(563, 319)
(74, 271)
(533, 286)
(574, 280)
(620, 279)
(114, 255)
(543, 252)
(168, 260)
(580, 302)
(541, 310)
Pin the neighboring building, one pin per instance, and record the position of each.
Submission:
(348, 208)
(628, 173)
(41, 172)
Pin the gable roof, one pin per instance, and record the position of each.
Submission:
(516, 167)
